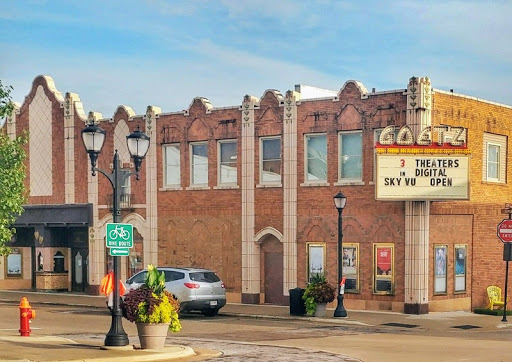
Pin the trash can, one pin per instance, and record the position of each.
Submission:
(297, 306)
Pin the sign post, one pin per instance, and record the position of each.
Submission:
(504, 232)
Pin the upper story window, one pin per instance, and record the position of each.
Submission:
(227, 169)
(493, 162)
(316, 157)
(172, 169)
(270, 160)
(199, 163)
(351, 156)
(494, 158)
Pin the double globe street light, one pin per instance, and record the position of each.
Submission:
(93, 138)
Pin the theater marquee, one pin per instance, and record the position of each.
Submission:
(422, 168)
(422, 177)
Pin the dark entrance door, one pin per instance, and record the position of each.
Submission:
(79, 267)
(273, 270)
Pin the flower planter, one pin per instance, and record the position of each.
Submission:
(152, 335)
(321, 309)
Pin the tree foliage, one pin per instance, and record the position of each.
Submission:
(6, 106)
(12, 174)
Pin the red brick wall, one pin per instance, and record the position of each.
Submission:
(485, 251)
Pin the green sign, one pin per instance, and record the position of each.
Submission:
(119, 235)
(119, 251)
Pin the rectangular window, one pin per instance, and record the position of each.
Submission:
(199, 162)
(351, 156)
(383, 269)
(494, 158)
(316, 157)
(350, 262)
(227, 162)
(13, 266)
(126, 191)
(316, 259)
(460, 268)
(493, 162)
(172, 170)
(270, 160)
(440, 253)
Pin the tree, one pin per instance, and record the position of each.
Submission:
(12, 175)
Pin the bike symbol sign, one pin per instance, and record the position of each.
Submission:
(119, 235)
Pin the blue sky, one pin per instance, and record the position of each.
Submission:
(165, 53)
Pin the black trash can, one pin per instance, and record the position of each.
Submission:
(297, 306)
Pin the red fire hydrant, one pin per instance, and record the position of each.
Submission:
(26, 313)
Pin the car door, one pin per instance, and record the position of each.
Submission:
(174, 283)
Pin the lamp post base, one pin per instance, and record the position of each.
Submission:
(340, 309)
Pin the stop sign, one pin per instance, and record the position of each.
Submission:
(505, 231)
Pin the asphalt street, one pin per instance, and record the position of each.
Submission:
(267, 333)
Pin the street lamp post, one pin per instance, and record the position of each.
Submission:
(93, 138)
(339, 201)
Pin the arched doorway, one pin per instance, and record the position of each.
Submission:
(272, 270)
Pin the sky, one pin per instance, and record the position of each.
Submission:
(166, 52)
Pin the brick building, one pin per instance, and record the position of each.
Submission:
(248, 192)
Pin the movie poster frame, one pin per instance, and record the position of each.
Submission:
(440, 269)
(384, 279)
(319, 247)
(351, 272)
(458, 275)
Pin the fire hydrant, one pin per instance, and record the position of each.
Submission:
(26, 313)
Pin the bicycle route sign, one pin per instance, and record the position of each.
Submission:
(119, 235)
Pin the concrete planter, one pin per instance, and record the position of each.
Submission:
(152, 335)
(321, 309)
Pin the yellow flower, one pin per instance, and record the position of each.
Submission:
(150, 267)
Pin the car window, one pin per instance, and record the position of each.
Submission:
(171, 275)
(207, 277)
(139, 278)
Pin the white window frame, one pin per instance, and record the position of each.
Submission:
(349, 179)
(306, 161)
(191, 148)
(166, 165)
(498, 162)
(275, 183)
(219, 162)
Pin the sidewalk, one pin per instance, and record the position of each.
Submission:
(15, 347)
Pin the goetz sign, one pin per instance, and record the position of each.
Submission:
(422, 177)
(405, 136)
(505, 231)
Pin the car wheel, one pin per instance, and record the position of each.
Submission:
(210, 312)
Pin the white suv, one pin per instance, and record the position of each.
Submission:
(196, 289)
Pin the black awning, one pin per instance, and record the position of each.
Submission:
(63, 215)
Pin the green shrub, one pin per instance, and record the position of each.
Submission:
(318, 291)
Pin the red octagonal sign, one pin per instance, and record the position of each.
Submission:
(505, 231)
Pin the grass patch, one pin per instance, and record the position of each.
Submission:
(496, 312)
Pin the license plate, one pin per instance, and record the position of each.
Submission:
(213, 302)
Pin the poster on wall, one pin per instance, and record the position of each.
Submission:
(383, 268)
(350, 262)
(440, 252)
(460, 268)
(316, 259)
(384, 260)
(13, 265)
